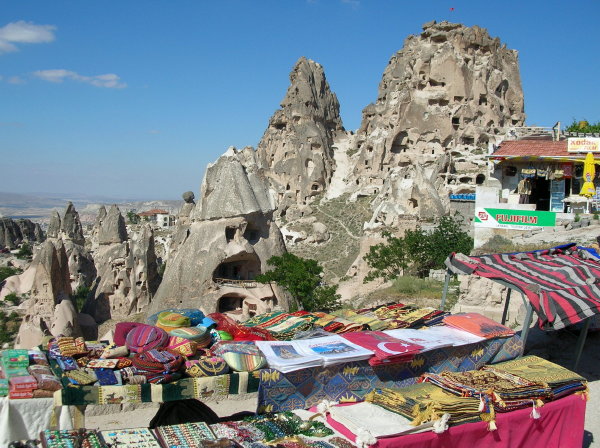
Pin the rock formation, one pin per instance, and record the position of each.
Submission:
(228, 242)
(296, 149)
(70, 226)
(127, 271)
(15, 232)
(443, 99)
(50, 286)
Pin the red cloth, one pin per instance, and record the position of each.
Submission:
(386, 348)
(560, 426)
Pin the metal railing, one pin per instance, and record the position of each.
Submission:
(236, 283)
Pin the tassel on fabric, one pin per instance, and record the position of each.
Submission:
(324, 406)
(492, 425)
(441, 425)
(534, 412)
(481, 404)
(364, 438)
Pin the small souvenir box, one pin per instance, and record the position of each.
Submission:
(71, 438)
(185, 435)
(131, 438)
(3, 387)
(14, 394)
(15, 358)
(23, 383)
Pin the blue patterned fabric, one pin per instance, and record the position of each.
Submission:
(350, 382)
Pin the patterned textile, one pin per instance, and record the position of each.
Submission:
(562, 284)
(242, 356)
(145, 337)
(214, 388)
(535, 369)
(283, 326)
(350, 382)
(425, 402)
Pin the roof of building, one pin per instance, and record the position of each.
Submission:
(535, 149)
(154, 211)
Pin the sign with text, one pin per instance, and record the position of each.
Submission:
(583, 144)
(499, 218)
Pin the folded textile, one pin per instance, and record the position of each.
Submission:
(379, 422)
(561, 381)
(478, 324)
(425, 402)
(386, 348)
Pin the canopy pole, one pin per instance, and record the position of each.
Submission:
(505, 312)
(581, 341)
(526, 323)
(445, 291)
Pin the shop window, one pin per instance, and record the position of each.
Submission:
(510, 171)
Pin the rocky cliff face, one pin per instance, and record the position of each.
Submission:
(51, 285)
(443, 99)
(15, 232)
(230, 236)
(127, 271)
(296, 150)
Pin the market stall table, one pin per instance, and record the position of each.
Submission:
(304, 388)
(561, 425)
(24, 418)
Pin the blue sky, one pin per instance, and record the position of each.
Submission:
(132, 98)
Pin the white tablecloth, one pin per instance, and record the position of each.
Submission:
(25, 419)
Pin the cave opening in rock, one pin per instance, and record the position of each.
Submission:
(240, 267)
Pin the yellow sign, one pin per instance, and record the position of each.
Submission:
(583, 144)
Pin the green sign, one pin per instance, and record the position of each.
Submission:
(500, 218)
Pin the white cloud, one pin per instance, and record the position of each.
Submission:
(15, 80)
(109, 80)
(22, 32)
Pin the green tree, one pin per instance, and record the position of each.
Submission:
(25, 251)
(418, 251)
(583, 126)
(79, 297)
(387, 260)
(132, 217)
(13, 298)
(301, 277)
(8, 271)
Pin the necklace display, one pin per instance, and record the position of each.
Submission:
(287, 424)
(81, 438)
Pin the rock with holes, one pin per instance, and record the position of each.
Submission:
(230, 237)
(296, 150)
(127, 270)
(70, 226)
(14, 232)
(443, 100)
(50, 285)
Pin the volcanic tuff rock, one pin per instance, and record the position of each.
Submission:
(112, 229)
(230, 237)
(296, 149)
(70, 226)
(127, 270)
(15, 232)
(51, 285)
(443, 99)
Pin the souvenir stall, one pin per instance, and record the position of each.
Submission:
(300, 360)
(27, 386)
(524, 402)
(239, 367)
(559, 284)
(547, 174)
